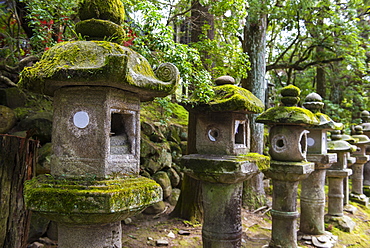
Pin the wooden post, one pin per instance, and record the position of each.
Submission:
(17, 164)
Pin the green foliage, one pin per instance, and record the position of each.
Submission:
(51, 21)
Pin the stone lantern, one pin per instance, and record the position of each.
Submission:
(357, 177)
(312, 200)
(337, 184)
(97, 88)
(365, 117)
(221, 140)
(288, 148)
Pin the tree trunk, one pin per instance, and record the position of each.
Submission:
(17, 164)
(320, 77)
(189, 205)
(254, 44)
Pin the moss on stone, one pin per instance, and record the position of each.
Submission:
(95, 29)
(290, 90)
(288, 116)
(224, 169)
(95, 63)
(231, 98)
(112, 10)
(66, 196)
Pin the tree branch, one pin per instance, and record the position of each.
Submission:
(298, 67)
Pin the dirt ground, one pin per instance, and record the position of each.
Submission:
(146, 230)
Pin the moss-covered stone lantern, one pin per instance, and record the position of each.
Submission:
(219, 145)
(97, 88)
(336, 175)
(312, 199)
(365, 117)
(362, 141)
(288, 149)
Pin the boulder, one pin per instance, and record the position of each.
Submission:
(7, 119)
(163, 180)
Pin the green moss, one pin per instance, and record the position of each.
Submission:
(262, 161)
(95, 29)
(290, 90)
(48, 194)
(288, 115)
(111, 10)
(173, 112)
(232, 98)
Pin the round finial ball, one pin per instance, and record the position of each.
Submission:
(365, 114)
(224, 80)
(313, 97)
(111, 10)
(359, 129)
(290, 90)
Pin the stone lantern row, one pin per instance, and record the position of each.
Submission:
(94, 183)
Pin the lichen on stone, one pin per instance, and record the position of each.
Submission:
(231, 98)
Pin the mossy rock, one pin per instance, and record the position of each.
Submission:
(230, 98)
(99, 63)
(162, 179)
(7, 119)
(112, 10)
(95, 29)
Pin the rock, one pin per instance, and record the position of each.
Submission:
(224, 80)
(184, 147)
(127, 221)
(350, 209)
(184, 232)
(152, 132)
(174, 197)
(38, 227)
(40, 123)
(156, 208)
(176, 151)
(151, 166)
(162, 242)
(52, 232)
(7, 119)
(171, 235)
(36, 245)
(174, 177)
(163, 180)
(44, 155)
(12, 97)
(165, 159)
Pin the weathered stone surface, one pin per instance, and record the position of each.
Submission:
(90, 202)
(163, 180)
(156, 208)
(12, 97)
(231, 98)
(40, 124)
(224, 80)
(151, 166)
(38, 226)
(44, 156)
(99, 63)
(223, 169)
(174, 177)
(95, 29)
(111, 10)
(7, 119)
(174, 197)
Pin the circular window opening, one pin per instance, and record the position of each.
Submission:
(81, 119)
(213, 134)
(280, 143)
